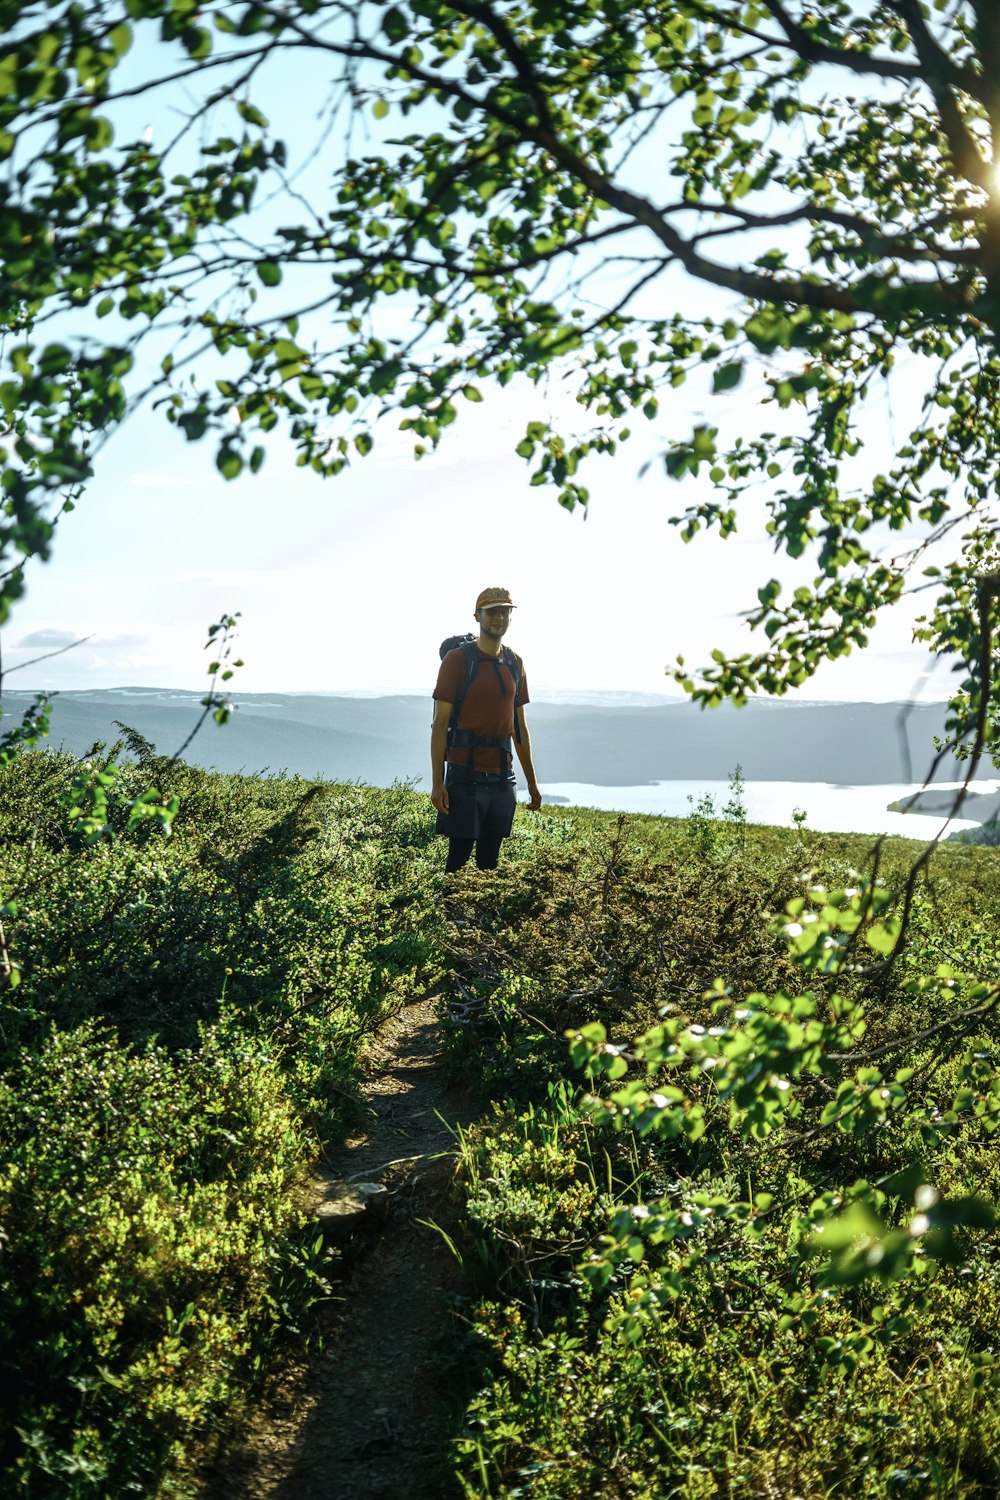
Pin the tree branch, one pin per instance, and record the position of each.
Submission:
(942, 77)
(810, 50)
(525, 73)
(896, 247)
(745, 283)
(48, 655)
(988, 28)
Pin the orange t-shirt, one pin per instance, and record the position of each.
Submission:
(485, 709)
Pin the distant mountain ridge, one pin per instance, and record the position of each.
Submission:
(384, 739)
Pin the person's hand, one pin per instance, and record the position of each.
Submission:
(534, 798)
(439, 796)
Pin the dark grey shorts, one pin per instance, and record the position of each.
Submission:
(479, 806)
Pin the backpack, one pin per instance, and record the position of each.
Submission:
(468, 737)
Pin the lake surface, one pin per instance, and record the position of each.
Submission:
(828, 808)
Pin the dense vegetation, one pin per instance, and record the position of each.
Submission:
(731, 1235)
(802, 1303)
(745, 1256)
(184, 1038)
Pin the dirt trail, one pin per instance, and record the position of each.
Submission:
(361, 1420)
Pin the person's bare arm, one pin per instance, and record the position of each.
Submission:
(439, 744)
(522, 746)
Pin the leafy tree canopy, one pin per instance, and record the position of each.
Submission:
(508, 189)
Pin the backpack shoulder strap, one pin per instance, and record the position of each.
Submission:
(471, 655)
(513, 665)
(510, 661)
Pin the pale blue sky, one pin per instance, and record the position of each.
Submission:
(350, 584)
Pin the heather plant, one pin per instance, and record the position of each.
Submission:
(609, 924)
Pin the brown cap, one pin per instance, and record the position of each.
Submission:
(490, 597)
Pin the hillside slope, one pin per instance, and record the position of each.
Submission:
(382, 740)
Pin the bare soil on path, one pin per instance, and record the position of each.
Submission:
(362, 1418)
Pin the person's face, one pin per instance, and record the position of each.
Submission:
(494, 620)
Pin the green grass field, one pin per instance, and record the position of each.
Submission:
(725, 1218)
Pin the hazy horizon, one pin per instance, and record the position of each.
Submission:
(381, 738)
(543, 694)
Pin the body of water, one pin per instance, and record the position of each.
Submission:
(828, 808)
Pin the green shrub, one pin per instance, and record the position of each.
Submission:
(186, 1034)
(146, 1201)
(676, 1326)
(532, 1196)
(716, 1406)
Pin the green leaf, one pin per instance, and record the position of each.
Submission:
(197, 42)
(883, 936)
(857, 1222)
(120, 37)
(727, 377)
(229, 463)
(251, 114)
(395, 25)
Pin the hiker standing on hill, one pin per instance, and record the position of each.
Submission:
(478, 725)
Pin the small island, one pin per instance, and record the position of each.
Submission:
(980, 807)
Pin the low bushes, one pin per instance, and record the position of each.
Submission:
(746, 1256)
(649, 1312)
(150, 1225)
(185, 1036)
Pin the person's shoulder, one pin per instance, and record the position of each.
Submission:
(453, 666)
(457, 653)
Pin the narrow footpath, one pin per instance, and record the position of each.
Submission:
(362, 1419)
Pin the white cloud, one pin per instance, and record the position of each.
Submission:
(49, 639)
